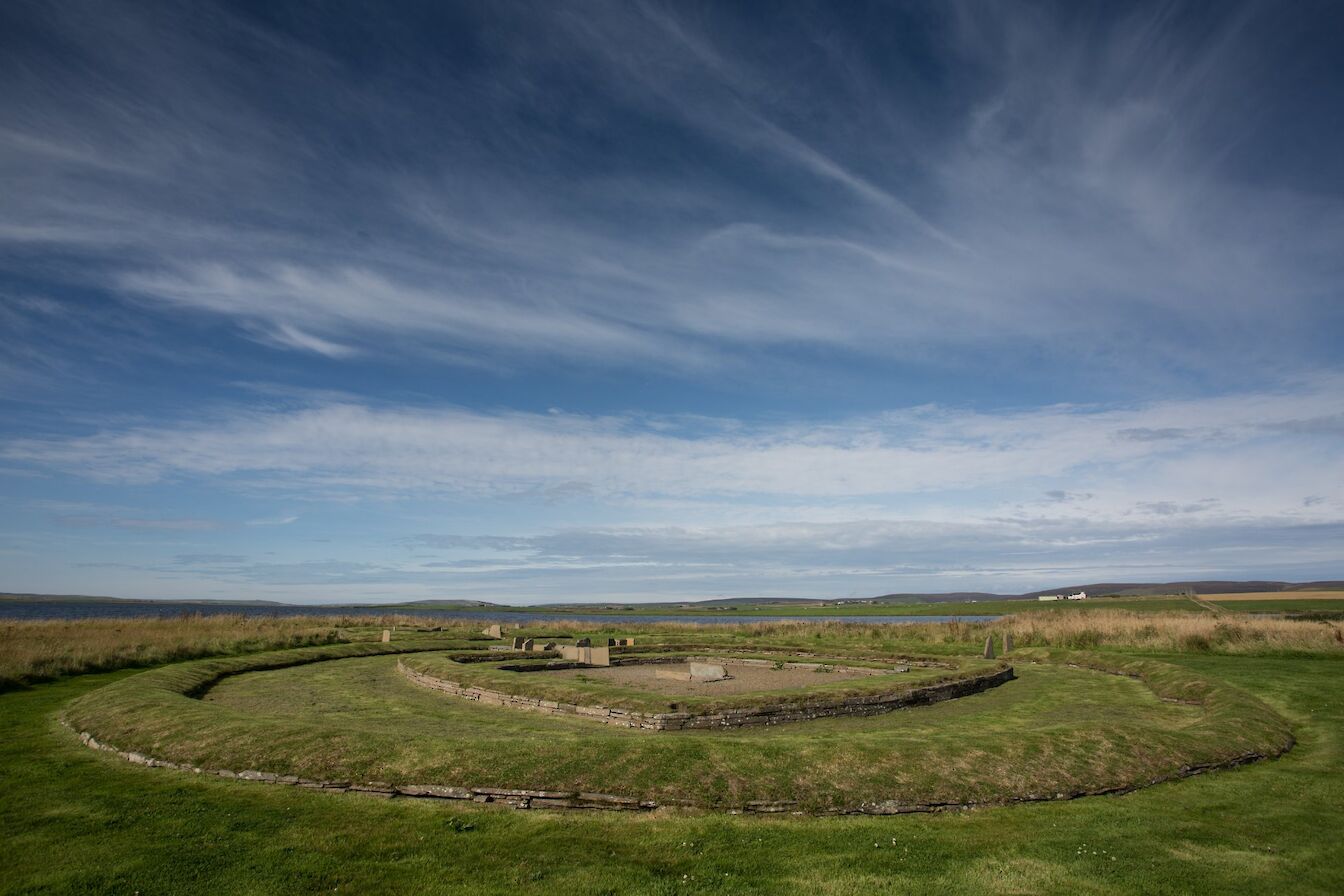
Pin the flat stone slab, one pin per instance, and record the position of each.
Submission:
(702, 672)
(707, 672)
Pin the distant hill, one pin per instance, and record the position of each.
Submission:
(942, 598)
(436, 604)
(95, 599)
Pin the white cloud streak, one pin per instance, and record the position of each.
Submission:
(1248, 451)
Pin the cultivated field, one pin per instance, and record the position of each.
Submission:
(1187, 695)
(1276, 595)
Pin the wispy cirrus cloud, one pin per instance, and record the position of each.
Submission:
(274, 521)
(1061, 189)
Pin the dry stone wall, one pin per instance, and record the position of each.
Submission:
(792, 710)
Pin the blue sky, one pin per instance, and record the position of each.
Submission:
(636, 301)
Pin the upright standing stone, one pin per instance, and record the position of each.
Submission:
(550, 645)
(599, 656)
(989, 648)
(518, 643)
(493, 632)
(611, 642)
(584, 642)
(387, 636)
(529, 644)
(1007, 641)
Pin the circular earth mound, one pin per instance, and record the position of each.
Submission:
(345, 717)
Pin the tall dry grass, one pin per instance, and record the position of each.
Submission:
(1096, 628)
(32, 651)
(42, 650)
(1076, 629)
(1181, 632)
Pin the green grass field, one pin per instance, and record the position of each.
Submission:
(949, 608)
(1158, 603)
(1285, 605)
(81, 821)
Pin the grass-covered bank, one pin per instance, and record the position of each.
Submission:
(78, 821)
(1063, 727)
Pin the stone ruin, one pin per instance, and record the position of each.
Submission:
(701, 672)
(620, 642)
(588, 655)
(771, 711)
(493, 631)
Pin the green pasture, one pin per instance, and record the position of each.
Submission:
(76, 820)
(345, 713)
(950, 608)
(1155, 604)
(1287, 605)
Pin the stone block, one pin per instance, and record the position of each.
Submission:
(707, 672)
(518, 643)
(1007, 641)
(387, 636)
(584, 642)
(989, 648)
(492, 631)
(529, 644)
(599, 656)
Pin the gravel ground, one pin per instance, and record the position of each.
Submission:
(742, 678)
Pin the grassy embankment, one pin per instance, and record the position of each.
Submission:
(1058, 729)
(1271, 827)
